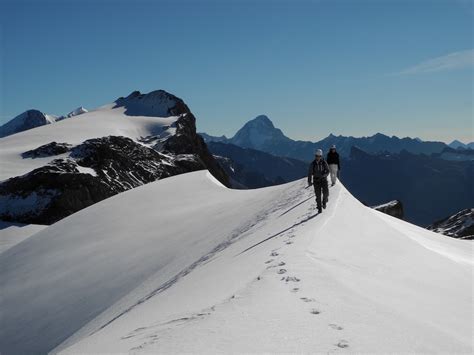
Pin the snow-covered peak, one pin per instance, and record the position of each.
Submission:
(258, 132)
(24, 121)
(78, 111)
(158, 103)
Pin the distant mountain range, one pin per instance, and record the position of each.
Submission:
(261, 134)
(460, 145)
(250, 168)
(431, 186)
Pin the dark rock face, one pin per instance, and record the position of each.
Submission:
(48, 150)
(392, 208)
(459, 225)
(187, 141)
(52, 192)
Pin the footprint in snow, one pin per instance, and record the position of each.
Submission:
(281, 263)
(289, 242)
(335, 326)
(268, 261)
(281, 271)
(306, 299)
(274, 253)
(295, 289)
(315, 311)
(343, 344)
(290, 278)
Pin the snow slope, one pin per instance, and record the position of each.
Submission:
(14, 233)
(101, 122)
(197, 267)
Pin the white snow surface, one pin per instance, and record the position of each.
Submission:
(13, 233)
(104, 121)
(186, 265)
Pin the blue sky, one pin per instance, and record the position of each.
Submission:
(402, 68)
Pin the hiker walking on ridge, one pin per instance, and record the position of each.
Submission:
(317, 176)
(334, 164)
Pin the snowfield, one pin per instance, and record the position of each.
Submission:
(102, 122)
(13, 233)
(186, 265)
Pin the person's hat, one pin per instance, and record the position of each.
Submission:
(333, 146)
(319, 152)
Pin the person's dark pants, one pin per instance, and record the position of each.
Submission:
(321, 187)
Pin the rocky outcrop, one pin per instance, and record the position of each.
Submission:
(393, 208)
(47, 150)
(187, 141)
(95, 170)
(459, 225)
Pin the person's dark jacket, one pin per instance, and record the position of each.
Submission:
(318, 171)
(333, 158)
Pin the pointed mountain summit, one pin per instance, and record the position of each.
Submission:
(258, 134)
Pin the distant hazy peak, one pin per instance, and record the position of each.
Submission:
(261, 121)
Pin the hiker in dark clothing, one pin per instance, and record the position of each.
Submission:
(333, 163)
(317, 176)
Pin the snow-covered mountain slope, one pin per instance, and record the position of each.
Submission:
(76, 112)
(33, 118)
(56, 170)
(25, 121)
(186, 265)
(105, 121)
(14, 233)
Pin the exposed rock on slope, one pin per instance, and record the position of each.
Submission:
(459, 225)
(393, 208)
(100, 167)
(95, 170)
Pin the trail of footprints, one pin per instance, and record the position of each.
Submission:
(342, 344)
